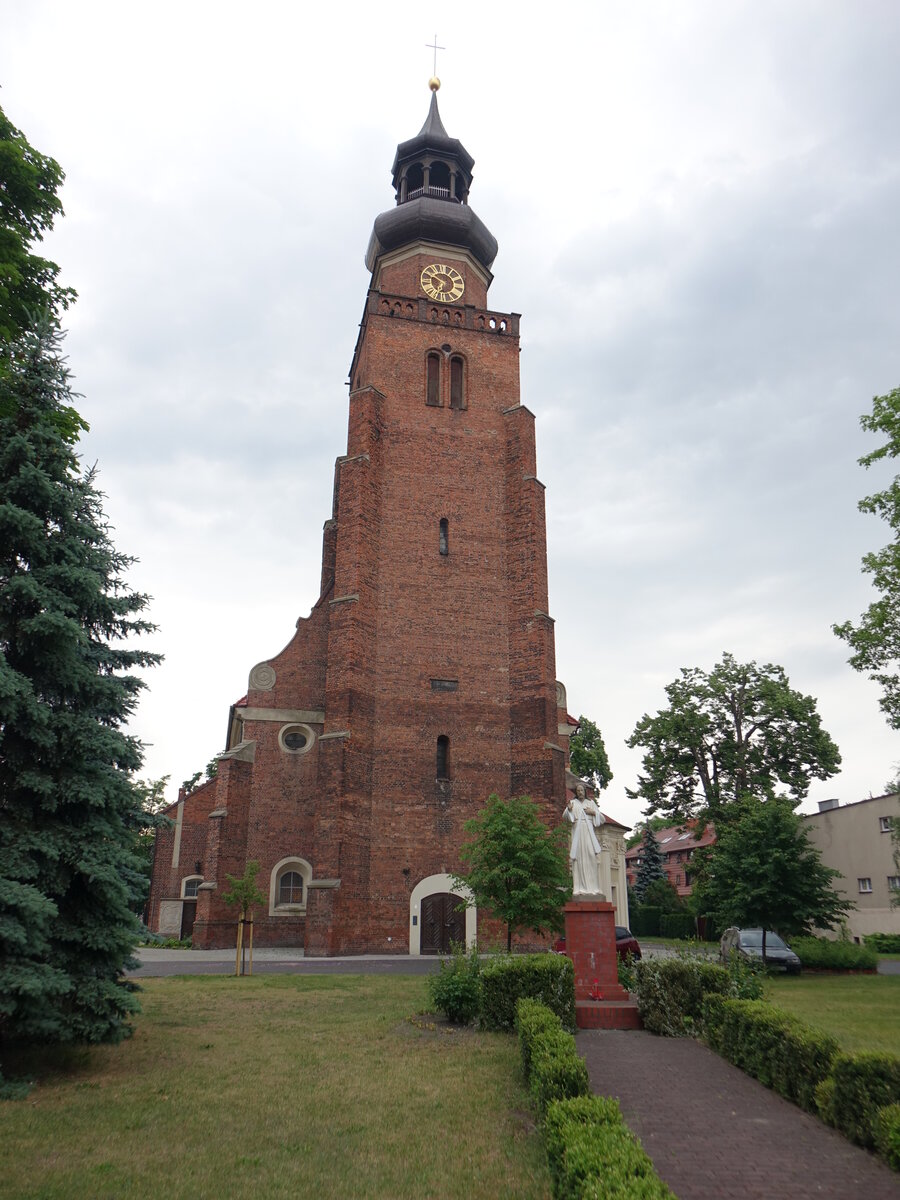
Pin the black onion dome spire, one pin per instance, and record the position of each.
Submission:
(432, 174)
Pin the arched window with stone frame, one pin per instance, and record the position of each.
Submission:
(289, 887)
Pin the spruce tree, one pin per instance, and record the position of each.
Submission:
(69, 873)
(651, 866)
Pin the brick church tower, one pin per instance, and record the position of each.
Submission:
(423, 679)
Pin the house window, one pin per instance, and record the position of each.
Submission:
(433, 380)
(865, 885)
(290, 888)
(884, 824)
(457, 394)
(190, 886)
(893, 883)
(444, 537)
(443, 749)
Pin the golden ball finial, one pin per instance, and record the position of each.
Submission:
(434, 83)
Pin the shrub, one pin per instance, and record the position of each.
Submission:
(886, 1134)
(625, 971)
(558, 1072)
(821, 953)
(863, 1084)
(775, 1047)
(549, 978)
(593, 1155)
(677, 925)
(456, 989)
(532, 1020)
(670, 992)
(746, 977)
(883, 943)
(825, 1099)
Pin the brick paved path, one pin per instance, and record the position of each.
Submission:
(716, 1134)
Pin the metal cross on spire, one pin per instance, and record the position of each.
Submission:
(435, 47)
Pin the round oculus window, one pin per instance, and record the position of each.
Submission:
(296, 739)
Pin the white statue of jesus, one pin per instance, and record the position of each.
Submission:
(584, 848)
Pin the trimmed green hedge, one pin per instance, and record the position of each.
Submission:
(775, 1047)
(819, 952)
(677, 925)
(883, 943)
(558, 1071)
(593, 1156)
(862, 1085)
(886, 1134)
(670, 991)
(549, 978)
(532, 1020)
(645, 920)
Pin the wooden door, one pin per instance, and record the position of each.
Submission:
(188, 912)
(442, 923)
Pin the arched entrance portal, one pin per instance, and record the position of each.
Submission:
(433, 919)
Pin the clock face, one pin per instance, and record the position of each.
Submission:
(442, 283)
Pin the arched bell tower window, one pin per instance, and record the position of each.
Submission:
(415, 178)
(457, 382)
(444, 537)
(439, 181)
(433, 379)
(443, 754)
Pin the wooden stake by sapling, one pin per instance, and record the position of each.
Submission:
(240, 945)
(245, 893)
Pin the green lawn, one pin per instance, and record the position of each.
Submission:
(279, 1086)
(861, 1011)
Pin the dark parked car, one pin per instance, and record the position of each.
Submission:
(748, 944)
(626, 943)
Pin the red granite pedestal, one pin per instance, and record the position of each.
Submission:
(600, 1000)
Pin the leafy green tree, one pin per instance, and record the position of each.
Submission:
(875, 641)
(243, 891)
(29, 203)
(738, 730)
(210, 771)
(651, 866)
(69, 813)
(587, 754)
(762, 873)
(517, 867)
(151, 797)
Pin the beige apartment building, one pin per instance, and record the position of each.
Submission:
(855, 839)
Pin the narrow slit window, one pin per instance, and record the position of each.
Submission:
(444, 537)
(443, 749)
(433, 380)
(457, 394)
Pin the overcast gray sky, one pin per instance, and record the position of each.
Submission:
(697, 209)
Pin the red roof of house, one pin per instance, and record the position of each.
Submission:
(677, 837)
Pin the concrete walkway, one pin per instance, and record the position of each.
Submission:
(716, 1134)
